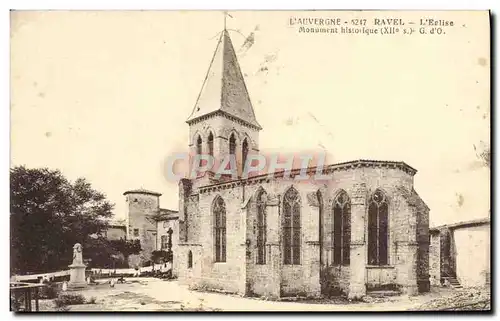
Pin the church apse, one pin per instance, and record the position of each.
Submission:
(261, 235)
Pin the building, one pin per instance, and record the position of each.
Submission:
(460, 254)
(167, 231)
(155, 227)
(364, 228)
(116, 231)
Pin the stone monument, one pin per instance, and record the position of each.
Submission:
(77, 269)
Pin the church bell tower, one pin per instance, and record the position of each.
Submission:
(223, 120)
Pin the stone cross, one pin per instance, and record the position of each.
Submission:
(226, 14)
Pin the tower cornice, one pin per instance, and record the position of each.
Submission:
(224, 114)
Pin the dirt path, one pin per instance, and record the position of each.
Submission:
(149, 294)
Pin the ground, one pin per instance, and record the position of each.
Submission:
(150, 294)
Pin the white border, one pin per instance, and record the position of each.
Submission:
(493, 5)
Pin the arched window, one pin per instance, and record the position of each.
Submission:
(244, 152)
(261, 227)
(219, 210)
(291, 227)
(378, 212)
(341, 231)
(211, 144)
(190, 259)
(199, 142)
(232, 144)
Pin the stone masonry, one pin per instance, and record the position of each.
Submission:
(382, 206)
(224, 110)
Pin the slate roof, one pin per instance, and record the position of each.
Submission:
(224, 88)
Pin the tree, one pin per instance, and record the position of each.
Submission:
(160, 256)
(48, 215)
(99, 253)
(104, 253)
(126, 247)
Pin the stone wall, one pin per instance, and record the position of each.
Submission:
(447, 253)
(116, 233)
(258, 277)
(222, 128)
(162, 228)
(472, 255)
(381, 277)
(227, 276)
(241, 274)
(141, 207)
(435, 259)
(336, 279)
(423, 240)
(190, 276)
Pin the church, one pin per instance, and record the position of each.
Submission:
(363, 229)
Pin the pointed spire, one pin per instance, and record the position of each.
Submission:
(224, 88)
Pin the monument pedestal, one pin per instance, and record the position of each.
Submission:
(77, 276)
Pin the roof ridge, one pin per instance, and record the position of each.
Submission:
(224, 88)
(327, 167)
(206, 77)
(142, 191)
(458, 224)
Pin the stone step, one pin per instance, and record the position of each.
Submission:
(454, 283)
(383, 293)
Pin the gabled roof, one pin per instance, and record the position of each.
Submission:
(471, 223)
(224, 88)
(141, 191)
(166, 214)
(166, 211)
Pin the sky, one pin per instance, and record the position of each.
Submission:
(105, 96)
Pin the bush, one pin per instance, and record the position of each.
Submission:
(50, 291)
(158, 257)
(63, 309)
(15, 304)
(334, 292)
(69, 299)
